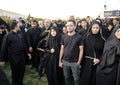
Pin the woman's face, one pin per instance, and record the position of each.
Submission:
(117, 33)
(95, 28)
(53, 32)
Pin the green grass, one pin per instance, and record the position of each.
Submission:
(30, 77)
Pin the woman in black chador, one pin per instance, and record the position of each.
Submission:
(53, 72)
(108, 71)
(93, 48)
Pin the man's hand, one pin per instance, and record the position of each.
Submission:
(30, 49)
(30, 56)
(2, 63)
(60, 64)
(78, 63)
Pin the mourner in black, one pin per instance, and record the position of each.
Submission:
(14, 45)
(108, 71)
(33, 37)
(93, 48)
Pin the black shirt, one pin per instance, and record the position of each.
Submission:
(13, 43)
(71, 47)
(33, 37)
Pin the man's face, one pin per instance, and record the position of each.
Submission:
(70, 27)
(83, 23)
(47, 23)
(33, 24)
(115, 22)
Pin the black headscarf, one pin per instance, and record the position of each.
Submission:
(95, 41)
(108, 69)
(112, 40)
(54, 42)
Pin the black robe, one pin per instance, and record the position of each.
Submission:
(53, 71)
(108, 71)
(93, 47)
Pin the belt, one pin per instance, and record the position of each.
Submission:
(89, 57)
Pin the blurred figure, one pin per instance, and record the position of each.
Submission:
(40, 23)
(64, 30)
(116, 22)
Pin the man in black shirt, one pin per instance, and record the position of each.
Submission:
(71, 53)
(33, 37)
(14, 45)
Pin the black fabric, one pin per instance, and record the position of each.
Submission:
(93, 47)
(33, 37)
(53, 72)
(1, 39)
(3, 78)
(108, 71)
(14, 44)
(71, 47)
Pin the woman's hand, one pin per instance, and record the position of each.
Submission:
(96, 61)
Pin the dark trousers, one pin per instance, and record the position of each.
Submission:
(18, 70)
(35, 59)
(41, 66)
(67, 68)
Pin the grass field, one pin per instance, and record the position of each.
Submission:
(30, 77)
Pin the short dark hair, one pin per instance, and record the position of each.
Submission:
(72, 21)
(35, 21)
(116, 19)
(83, 20)
(22, 21)
(13, 25)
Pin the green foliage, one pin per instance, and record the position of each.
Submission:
(6, 19)
(34, 18)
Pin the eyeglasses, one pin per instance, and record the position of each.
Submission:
(69, 25)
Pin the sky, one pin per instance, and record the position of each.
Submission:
(59, 8)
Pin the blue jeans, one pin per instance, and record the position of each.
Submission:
(67, 68)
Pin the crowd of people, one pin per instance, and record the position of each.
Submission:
(73, 52)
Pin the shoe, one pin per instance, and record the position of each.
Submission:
(40, 76)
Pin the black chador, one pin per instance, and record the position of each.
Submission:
(108, 71)
(93, 48)
(53, 72)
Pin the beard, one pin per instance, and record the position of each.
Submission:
(71, 31)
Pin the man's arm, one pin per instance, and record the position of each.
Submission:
(29, 41)
(61, 55)
(4, 49)
(80, 54)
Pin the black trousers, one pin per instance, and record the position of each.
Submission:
(18, 70)
(35, 59)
